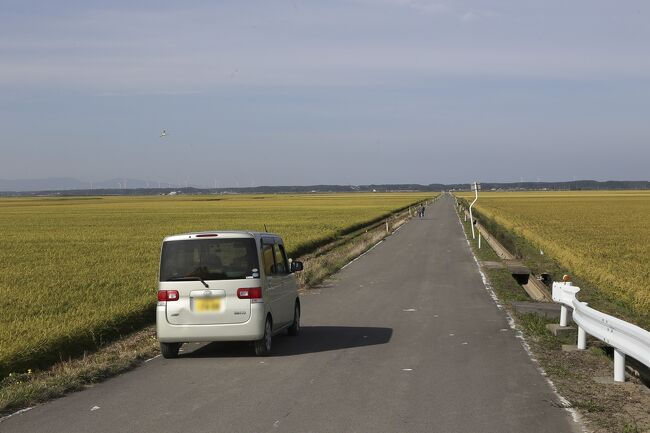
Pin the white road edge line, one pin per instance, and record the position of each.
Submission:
(358, 257)
(27, 409)
(151, 359)
(371, 248)
(511, 322)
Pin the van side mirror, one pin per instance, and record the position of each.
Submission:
(296, 266)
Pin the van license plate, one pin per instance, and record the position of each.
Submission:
(207, 304)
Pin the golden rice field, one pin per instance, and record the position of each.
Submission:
(75, 271)
(602, 237)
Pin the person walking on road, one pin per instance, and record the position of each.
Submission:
(421, 212)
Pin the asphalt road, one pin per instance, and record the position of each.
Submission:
(404, 339)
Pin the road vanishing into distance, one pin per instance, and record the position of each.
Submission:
(404, 339)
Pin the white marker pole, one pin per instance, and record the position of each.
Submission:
(475, 187)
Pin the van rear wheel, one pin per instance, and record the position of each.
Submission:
(263, 346)
(294, 329)
(170, 350)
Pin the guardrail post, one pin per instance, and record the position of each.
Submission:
(619, 366)
(563, 315)
(582, 338)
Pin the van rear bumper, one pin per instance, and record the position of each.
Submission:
(251, 330)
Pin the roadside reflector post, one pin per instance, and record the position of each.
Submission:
(582, 338)
(563, 315)
(619, 366)
(479, 240)
(387, 227)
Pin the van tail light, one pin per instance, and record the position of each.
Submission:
(250, 293)
(168, 295)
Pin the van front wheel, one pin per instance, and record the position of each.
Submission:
(170, 350)
(263, 346)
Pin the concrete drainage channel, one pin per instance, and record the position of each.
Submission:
(533, 285)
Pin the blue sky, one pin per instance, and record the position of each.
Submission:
(307, 92)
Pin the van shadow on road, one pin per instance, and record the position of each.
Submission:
(312, 339)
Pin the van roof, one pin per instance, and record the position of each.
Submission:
(220, 234)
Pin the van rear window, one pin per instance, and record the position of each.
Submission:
(209, 259)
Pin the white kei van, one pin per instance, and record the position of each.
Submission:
(225, 286)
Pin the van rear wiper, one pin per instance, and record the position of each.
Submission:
(189, 279)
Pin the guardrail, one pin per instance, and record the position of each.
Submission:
(624, 337)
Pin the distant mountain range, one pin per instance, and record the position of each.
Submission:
(68, 183)
(71, 186)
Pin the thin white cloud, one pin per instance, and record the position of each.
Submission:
(357, 65)
(474, 15)
(426, 6)
(152, 92)
(120, 51)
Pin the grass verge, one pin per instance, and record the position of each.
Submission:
(605, 408)
(20, 390)
(327, 260)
